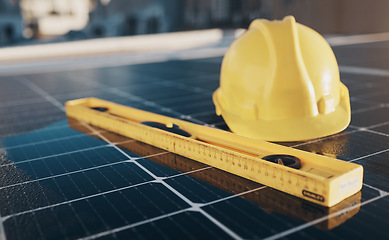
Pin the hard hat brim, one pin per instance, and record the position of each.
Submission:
(292, 129)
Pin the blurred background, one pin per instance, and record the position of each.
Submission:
(34, 21)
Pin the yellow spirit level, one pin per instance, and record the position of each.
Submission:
(316, 178)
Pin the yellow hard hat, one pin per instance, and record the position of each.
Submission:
(280, 81)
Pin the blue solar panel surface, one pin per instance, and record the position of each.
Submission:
(63, 179)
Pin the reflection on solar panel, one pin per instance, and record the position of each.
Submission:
(60, 178)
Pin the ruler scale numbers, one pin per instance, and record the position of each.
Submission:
(316, 178)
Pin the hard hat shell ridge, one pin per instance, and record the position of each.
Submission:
(280, 81)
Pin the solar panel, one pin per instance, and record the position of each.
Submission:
(63, 179)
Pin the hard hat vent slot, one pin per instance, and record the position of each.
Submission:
(326, 104)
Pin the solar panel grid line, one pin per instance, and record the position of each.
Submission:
(180, 99)
(356, 129)
(112, 184)
(376, 132)
(372, 126)
(194, 104)
(369, 95)
(38, 225)
(233, 196)
(2, 232)
(138, 99)
(11, 122)
(217, 124)
(174, 84)
(177, 226)
(42, 93)
(48, 141)
(364, 70)
(112, 208)
(361, 95)
(380, 191)
(21, 102)
(56, 127)
(42, 107)
(74, 95)
(56, 155)
(165, 109)
(362, 110)
(63, 174)
(220, 225)
(198, 78)
(103, 176)
(61, 154)
(323, 138)
(203, 114)
(145, 102)
(184, 86)
(61, 227)
(316, 221)
(34, 121)
(369, 155)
